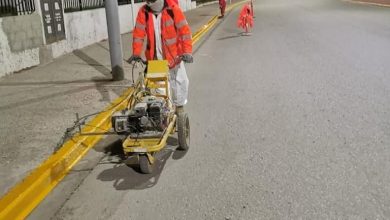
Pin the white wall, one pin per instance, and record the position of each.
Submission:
(81, 29)
(193, 5)
(14, 61)
(185, 5)
(87, 27)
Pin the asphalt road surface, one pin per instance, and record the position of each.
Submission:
(292, 122)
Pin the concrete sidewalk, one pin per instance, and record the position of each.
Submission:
(39, 104)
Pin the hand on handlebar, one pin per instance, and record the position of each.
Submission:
(134, 59)
(187, 58)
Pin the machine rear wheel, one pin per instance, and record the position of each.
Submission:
(183, 131)
(144, 165)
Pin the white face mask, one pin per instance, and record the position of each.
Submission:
(156, 6)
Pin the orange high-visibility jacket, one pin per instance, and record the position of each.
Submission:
(175, 34)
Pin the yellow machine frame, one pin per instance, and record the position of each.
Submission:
(156, 78)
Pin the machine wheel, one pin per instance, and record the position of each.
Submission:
(183, 131)
(144, 165)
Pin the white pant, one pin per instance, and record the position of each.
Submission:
(178, 81)
(177, 76)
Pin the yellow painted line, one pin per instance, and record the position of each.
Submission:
(196, 37)
(367, 3)
(27, 194)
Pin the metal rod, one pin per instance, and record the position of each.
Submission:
(8, 6)
(28, 6)
(23, 8)
(1, 7)
(78, 122)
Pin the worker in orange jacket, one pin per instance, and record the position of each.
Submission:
(222, 7)
(168, 38)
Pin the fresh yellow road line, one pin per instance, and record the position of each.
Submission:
(27, 194)
(196, 37)
(367, 3)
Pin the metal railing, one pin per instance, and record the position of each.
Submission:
(16, 7)
(81, 5)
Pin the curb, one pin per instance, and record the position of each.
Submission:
(367, 3)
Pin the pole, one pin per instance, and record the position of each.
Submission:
(132, 12)
(114, 39)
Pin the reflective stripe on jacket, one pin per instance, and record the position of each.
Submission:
(175, 33)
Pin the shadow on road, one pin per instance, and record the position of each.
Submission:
(230, 37)
(100, 68)
(126, 175)
(99, 83)
(93, 63)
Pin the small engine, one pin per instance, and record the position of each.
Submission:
(147, 118)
